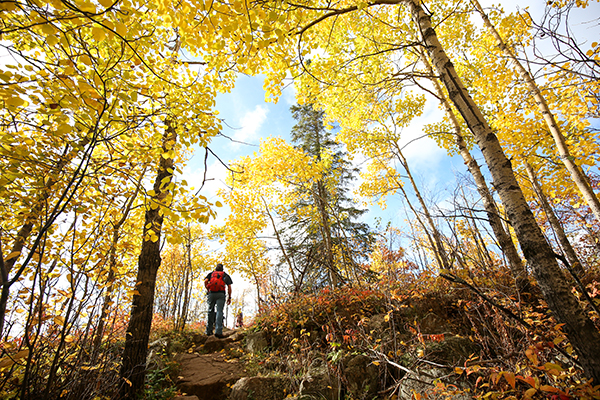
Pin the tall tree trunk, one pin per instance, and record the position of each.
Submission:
(504, 240)
(580, 330)
(577, 174)
(565, 244)
(321, 200)
(133, 369)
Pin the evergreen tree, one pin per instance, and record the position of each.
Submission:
(329, 244)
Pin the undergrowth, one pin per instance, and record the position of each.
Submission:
(482, 339)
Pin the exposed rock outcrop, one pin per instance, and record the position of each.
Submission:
(260, 387)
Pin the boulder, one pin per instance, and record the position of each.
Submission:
(236, 336)
(260, 387)
(423, 382)
(256, 342)
(319, 383)
(362, 377)
(377, 325)
(452, 350)
(434, 324)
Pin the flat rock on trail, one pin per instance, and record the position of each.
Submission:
(210, 376)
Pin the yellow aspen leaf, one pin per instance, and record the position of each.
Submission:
(15, 102)
(85, 59)
(87, 6)
(48, 29)
(52, 40)
(9, 361)
(98, 33)
(550, 366)
(8, 6)
(121, 28)
(59, 320)
(64, 128)
(106, 3)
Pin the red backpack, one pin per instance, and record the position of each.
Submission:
(216, 282)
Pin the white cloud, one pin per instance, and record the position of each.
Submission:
(250, 124)
(420, 150)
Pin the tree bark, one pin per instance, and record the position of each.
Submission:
(504, 240)
(133, 369)
(580, 330)
(577, 174)
(570, 254)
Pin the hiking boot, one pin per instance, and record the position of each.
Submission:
(219, 335)
(208, 333)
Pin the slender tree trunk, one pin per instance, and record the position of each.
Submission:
(580, 330)
(133, 369)
(504, 240)
(422, 225)
(282, 247)
(437, 244)
(565, 244)
(577, 174)
(187, 282)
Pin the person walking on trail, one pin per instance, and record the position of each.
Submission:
(215, 283)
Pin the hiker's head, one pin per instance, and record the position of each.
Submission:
(219, 267)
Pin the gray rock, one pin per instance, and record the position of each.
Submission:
(256, 342)
(377, 325)
(362, 377)
(237, 336)
(208, 376)
(319, 383)
(452, 350)
(260, 388)
(423, 382)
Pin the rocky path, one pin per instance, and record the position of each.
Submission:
(209, 370)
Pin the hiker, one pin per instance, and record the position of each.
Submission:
(239, 320)
(215, 283)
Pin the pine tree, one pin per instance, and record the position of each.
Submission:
(327, 246)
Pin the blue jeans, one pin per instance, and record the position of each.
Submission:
(215, 299)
